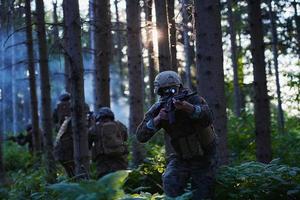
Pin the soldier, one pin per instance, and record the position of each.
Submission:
(189, 126)
(107, 140)
(63, 146)
(62, 110)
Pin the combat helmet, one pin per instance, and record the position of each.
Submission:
(166, 79)
(105, 112)
(64, 96)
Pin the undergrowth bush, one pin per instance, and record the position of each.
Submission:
(16, 157)
(254, 180)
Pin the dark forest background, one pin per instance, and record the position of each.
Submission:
(241, 56)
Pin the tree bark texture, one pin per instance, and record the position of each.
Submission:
(119, 49)
(187, 40)
(209, 61)
(150, 48)
(234, 60)
(162, 25)
(66, 58)
(261, 98)
(103, 51)
(135, 76)
(172, 31)
(79, 128)
(280, 117)
(45, 91)
(36, 140)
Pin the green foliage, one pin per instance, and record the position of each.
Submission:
(16, 157)
(241, 138)
(107, 187)
(253, 180)
(147, 177)
(30, 184)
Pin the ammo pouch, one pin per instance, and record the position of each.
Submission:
(193, 145)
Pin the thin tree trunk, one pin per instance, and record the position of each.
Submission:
(232, 30)
(2, 170)
(13, 75)
(261, 98)
(119, 49)
(151, 68)
(188, 48)
(172, 31)
(275, 57)
(3, 128)
(209, 60)
(79, 128)
(92, 44)
(164, 52)
(66, 58)
(45, 91)
(32, 85)
(297, 22)
(103, 51)
(55, 21)
(136, 99)
(240, 66)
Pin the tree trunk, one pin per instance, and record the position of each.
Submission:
(119, 49)
(79, 128)
(275, 57)
(92, 45)
(3, 128)
(297, 22)
(103, 51)
(261, 98)
(172, 31)
(232, 31)
(209, 62)
(55, 25)
(151, 61)
(187, 39)
(135, 76)
(2, 170)
(13, 74)
(32, 85)
(66, 58)
(45, 91)
(164, 53)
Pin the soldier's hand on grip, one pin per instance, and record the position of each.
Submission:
(183, 105)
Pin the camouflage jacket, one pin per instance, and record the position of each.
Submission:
(186, 124)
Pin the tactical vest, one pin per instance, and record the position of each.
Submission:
(109, 139)
(193, 145)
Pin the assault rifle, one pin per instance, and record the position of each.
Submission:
(167, 103)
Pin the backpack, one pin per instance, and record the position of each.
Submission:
(109, 139)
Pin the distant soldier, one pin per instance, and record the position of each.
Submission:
(22, 139)
(62, 110)
(107, 140)
(63, 146)
(187, 119)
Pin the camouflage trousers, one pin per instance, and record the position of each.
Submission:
(69, 167)
(106, 164)
(200, 171)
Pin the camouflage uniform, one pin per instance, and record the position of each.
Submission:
(194, 141)
(108, 159)
(63, 147)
